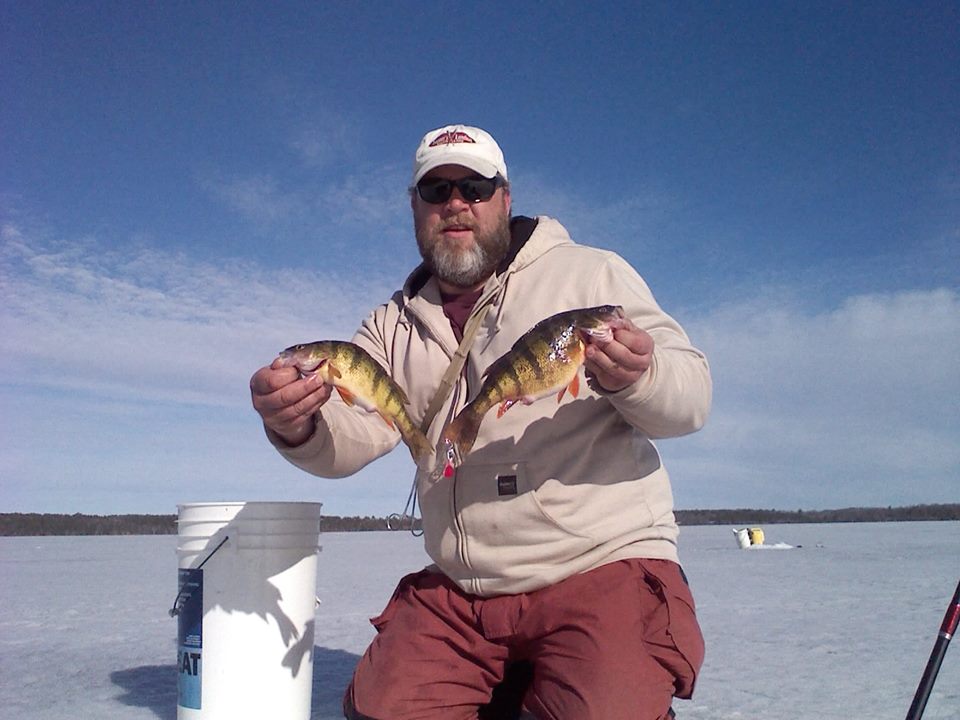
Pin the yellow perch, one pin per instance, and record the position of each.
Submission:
(545, 360)
(360, 380)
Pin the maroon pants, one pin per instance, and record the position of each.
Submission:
(617, 642)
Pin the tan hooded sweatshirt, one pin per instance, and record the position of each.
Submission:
(549, 490)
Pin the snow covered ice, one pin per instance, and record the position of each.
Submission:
(839, 628)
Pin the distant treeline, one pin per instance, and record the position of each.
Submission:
(20, 524)
(77, 524)
(745, 516)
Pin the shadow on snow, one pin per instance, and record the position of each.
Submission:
(155, 686)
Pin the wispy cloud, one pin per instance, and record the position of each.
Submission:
(852, 405)
(257, 198)
(125, 376)
(322, 141)
(364, 214)
(628, 217)
(142, 323)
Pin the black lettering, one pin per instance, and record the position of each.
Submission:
(189, 662)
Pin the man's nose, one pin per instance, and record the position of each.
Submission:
(456, 201)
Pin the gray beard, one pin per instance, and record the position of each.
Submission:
(466, 268)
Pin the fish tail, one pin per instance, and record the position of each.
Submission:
(418, 444)
(462, 432)
(416, 441)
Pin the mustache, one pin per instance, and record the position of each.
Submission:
(465, 222)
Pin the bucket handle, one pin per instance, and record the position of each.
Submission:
(175, 610)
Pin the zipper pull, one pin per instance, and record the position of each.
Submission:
(449, 464)
(447, 468)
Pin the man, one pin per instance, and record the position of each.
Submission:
(554, 540)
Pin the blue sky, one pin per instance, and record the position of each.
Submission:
(187, 188)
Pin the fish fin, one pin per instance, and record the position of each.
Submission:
(504, 406)
(387, 420)
(334, 373)
(346, 395)
(574, 385)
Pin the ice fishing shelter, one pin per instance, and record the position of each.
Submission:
(749, 536)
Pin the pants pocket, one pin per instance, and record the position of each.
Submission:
(681, 650)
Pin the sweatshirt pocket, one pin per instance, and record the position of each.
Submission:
(507, 520)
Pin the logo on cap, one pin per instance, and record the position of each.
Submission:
(451, 137)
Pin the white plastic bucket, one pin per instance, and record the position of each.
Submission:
(245, 609)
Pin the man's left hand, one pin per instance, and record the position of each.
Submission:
(621, 361)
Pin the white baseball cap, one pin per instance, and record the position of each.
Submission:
(459, 145)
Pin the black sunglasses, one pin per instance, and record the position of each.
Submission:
(473, 189)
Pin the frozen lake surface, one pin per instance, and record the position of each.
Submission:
(839, 628)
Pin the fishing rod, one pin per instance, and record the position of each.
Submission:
(947, 629)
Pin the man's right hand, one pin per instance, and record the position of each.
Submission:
(286, 402)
